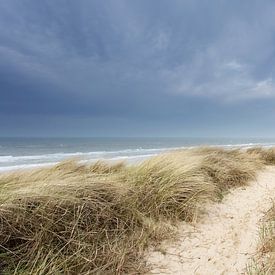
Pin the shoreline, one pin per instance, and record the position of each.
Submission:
(83, 156)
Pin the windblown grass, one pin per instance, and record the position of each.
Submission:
(264, 261)
(101, 167)
(229, 168)
(67, 220)
(170, 186)
(84, 219)
(266, 154)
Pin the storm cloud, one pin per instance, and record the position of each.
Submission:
(120, 67)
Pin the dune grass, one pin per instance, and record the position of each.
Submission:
(230, 168)
(264, 262)
(267, 155)
(86, 219)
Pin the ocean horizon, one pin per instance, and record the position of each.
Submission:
(22, 153)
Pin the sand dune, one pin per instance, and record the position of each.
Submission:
(224, 239)
(75, 218)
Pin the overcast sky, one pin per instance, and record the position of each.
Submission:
(137, 68)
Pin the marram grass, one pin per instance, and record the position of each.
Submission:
(267, 155)
(100, 218)
(263, 263)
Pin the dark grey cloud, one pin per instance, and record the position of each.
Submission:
(153, 66)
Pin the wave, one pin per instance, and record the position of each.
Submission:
(46, 164)
(26, 166)
(98, 154)
(9, 162)
(109, 154)
(6, 158)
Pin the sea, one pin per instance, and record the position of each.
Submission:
(22, 153)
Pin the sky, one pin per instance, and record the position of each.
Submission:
(137, 68)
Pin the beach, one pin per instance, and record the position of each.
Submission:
(152, 217)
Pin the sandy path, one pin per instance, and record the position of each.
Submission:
(226, 237)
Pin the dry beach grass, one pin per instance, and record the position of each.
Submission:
(264, 260)
(266, 155)
(100, 218)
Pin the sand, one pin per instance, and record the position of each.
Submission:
(226, 237)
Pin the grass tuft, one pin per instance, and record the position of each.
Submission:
(230, 168)
(171, 186)
(266, 154)
(264, 261)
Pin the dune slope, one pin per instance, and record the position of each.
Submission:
(224, 239)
